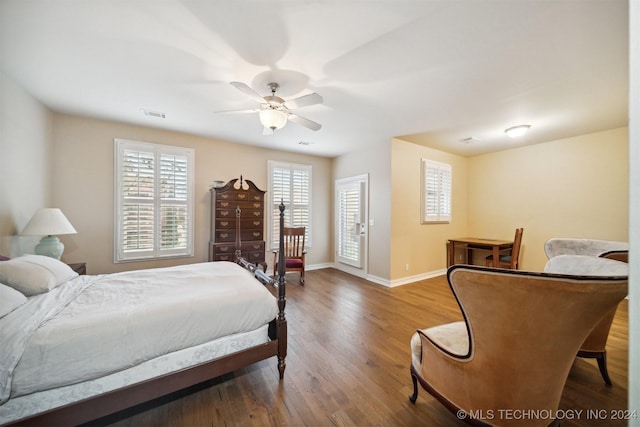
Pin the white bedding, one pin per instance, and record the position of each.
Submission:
(93, 326)
(23, 406)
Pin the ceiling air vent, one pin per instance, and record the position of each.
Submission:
(156, 114)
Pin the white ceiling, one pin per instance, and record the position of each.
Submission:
(434, 72)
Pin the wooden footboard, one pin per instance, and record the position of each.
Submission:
(126, 397)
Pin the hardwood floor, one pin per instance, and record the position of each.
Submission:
(348, 365)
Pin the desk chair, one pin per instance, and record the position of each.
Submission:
(511, 260)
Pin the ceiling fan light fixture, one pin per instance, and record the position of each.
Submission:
(516, 131)
(273, 119)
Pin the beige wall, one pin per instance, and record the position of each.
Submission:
(25, 147)
(422, 246)
(373, 161)
(574, 187)
(83, 182)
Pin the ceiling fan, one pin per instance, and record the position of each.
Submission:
(274, 112)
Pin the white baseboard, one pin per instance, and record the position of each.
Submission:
(379, 280)
(417, 278)
(319, 266)
(405, 280)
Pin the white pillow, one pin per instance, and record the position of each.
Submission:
(10, 299)
(35, 274)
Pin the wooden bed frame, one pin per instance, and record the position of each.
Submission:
(98, 406)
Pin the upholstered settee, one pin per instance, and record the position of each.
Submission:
(596, 258)
(591, 247)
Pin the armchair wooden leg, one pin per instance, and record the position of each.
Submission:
(601, 358)
(413, 397)
(602, 365)
(302, 277)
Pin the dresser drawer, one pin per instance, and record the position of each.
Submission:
(245, 224)
(244, 246)
(233, 204)
(254, 257)
(239, 196)
(224, 257)
(251, 251)
(247, 213)
(225, 236)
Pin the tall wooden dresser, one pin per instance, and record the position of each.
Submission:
(224, 202)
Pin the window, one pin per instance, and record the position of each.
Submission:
(436, 192)
(290, 183)
(154, 201)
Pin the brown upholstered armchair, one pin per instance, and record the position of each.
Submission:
(516, 345)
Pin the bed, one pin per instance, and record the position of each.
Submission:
(76, 348)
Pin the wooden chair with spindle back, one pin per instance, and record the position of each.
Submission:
(294, 251)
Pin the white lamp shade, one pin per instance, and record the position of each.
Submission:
(47, 222)
(272, 118)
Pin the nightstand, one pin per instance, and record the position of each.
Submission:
(80, 267)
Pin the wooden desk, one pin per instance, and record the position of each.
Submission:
(495, 246)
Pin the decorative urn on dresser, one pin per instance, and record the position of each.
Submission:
(225, 200)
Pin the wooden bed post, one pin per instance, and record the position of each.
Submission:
(282, 301)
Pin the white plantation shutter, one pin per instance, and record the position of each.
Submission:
(290, 183)
(154, 198)
(137, 232)
(174, 190)
(349, 221)
(436, 192)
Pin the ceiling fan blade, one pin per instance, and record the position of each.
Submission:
(242, 87)
(304, 122)
(304, 100)
(255, 110)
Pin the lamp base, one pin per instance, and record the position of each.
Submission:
(50, 246)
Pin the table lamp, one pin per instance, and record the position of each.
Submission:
(47, 222)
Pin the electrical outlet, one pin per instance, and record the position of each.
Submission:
(406, 267)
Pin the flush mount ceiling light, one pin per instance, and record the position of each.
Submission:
(516, 131)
